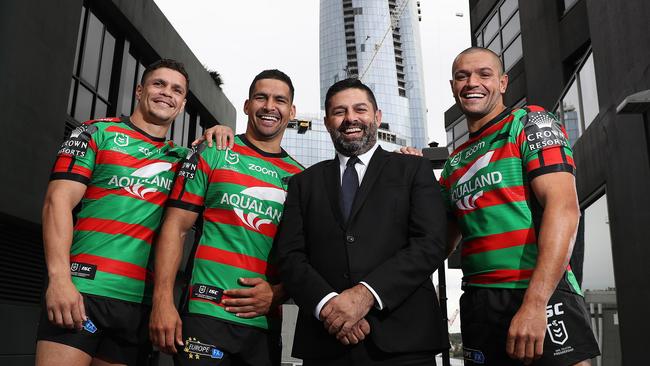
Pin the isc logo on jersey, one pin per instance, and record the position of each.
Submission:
(253, 201)
(148, 175)
(469, 188)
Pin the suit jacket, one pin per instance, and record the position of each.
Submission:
(394, 240)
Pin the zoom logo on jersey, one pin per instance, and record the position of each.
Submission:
(263, 170)
(253, 200)
(196, 349)
(77, 143)
(467, 192)
(148, 174)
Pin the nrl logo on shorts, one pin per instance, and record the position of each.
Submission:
(557, 332)
(196, 349)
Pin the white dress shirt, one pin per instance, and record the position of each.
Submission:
(364, 160)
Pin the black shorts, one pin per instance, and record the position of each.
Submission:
(121, 334)
(210, 341)
(485, 315)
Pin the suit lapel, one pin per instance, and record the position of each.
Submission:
(333, 188)
(375, 166)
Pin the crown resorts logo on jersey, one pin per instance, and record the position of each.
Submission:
(542, 131)
(467, 192)
(149, 175)
(253, 200)
(77, 143)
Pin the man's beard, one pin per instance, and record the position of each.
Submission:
(354, 147)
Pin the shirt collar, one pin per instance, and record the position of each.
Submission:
(365, 157)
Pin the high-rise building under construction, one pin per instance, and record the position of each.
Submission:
(378, 41)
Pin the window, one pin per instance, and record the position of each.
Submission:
(180, 129)
(578, 107)
(571, 112)
(198, 131)
(501, 33)
(457, 133)
(97, 92)
(589, 90)
(598, 281)
(91, 75)
(132, 71)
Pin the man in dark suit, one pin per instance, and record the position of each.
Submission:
(360, 236)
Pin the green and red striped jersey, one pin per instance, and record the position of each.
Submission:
(486, 185)
(241, 193)
(128, 175)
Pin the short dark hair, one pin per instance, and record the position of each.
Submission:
(272, 74)
(167, 63)
(350, 83)
(473, 49)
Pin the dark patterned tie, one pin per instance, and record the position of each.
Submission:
(349, 186)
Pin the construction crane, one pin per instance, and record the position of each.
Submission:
(452, 318)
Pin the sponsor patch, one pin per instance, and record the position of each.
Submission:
(473, 355)
(83, 270)
(89, 326)
(77, 143)
(207, 292)
(196, 349)
(191, 163)
(543, 131)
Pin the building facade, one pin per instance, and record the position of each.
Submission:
(64, 63)
(582, 59)
(378, 42)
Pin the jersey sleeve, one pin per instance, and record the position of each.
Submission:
(544, 144)
(192, 180)
(75, 159)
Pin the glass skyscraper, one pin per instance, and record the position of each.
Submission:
(378, 41)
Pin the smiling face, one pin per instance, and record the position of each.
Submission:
(478, 85)
(352, 121)
(161, 97)
(269, 109)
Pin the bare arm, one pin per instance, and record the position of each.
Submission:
(453, 236)
(556, 193)
(64, 303)
(223, 136)
(165, 327)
